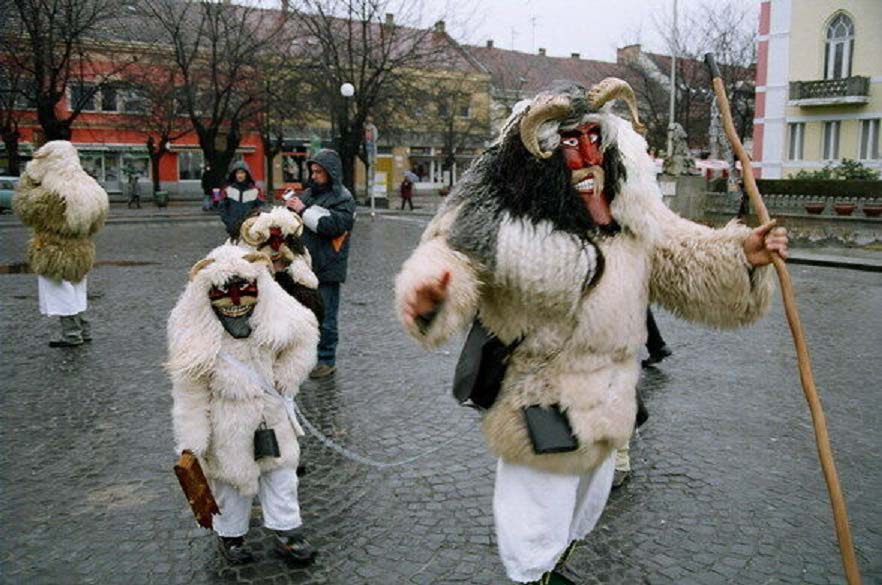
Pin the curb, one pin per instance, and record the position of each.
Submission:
(836, 262)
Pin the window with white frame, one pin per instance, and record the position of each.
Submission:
(796, 139)
(87, 98)
(831, 140)
(869, 146)
(840, 46)
(190, 163)
(83, 97)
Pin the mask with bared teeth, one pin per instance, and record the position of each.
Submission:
(233, 303)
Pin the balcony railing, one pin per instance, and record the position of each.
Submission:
(828, 92)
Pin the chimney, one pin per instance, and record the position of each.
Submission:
(541, 51)
(574, 55)
(390, 19)
(439, 27)
(490, 44)
(628, 54)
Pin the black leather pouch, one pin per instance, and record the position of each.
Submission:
(481, 368)
(265, 443)
(550, 430)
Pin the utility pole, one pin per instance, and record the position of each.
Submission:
(673, 86)
(533, 34)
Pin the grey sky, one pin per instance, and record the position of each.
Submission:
(593, 28)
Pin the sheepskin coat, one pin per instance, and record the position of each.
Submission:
(65, 207)
(256, 230)
(580, 344)
(217, 406)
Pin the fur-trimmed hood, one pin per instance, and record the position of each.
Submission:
(194, 331)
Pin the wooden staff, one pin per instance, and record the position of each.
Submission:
(840, 515)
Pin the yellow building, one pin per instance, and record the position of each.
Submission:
(819, 85)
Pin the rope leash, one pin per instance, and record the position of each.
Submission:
(295, 414)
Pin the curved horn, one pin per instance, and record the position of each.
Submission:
(613, 88)
(543, 109)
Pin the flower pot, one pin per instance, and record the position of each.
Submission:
(872, 210)
(844, 208)
(815, 208)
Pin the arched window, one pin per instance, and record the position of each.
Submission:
(840, 45)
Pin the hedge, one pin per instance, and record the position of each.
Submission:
(834, 188)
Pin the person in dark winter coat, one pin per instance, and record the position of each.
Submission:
(406, 193)
(328, 211)
(240, 196)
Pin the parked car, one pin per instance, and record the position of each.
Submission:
(7, 190)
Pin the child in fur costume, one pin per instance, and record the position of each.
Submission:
(238, 347)
(276, 231)
(556, 239)
(65, 207)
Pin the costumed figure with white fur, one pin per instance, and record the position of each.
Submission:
(65, 207)
(239, 346)
(553, 244)
(276, 232)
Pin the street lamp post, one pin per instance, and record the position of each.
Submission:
(673, 87)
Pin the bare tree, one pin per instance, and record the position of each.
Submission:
(281, 107)
(217, 52)
(59, 44)
(728, 30)
(453, 117)
(152, 88)
(358, 42)
(15, 96)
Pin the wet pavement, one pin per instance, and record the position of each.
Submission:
(726, 487)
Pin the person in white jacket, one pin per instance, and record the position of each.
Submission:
(238, 346)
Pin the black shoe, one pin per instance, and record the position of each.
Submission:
(234, 550)
(322, 371)
(292, 545)
(65, 343)
(657, 356)
(302, 470)
(553, 578)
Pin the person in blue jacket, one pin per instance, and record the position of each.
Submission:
(328, 211)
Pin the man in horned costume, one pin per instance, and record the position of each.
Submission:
(555, 242)
(238, 346)
(66, 208)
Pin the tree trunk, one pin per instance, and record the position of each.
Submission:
(53, 128)
(155, 153)
(10, 140)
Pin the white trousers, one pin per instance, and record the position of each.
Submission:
(277, 490)
(538, 514)
(60, 297)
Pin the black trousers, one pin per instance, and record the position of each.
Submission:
(408, 200)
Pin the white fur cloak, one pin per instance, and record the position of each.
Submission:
(65, 207)
(580, 346)
(217, 407)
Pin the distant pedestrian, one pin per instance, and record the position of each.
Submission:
(328, 211)
(407, 193)
(66, 207)
(134, 190)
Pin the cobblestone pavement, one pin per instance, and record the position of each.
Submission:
(726, 488)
